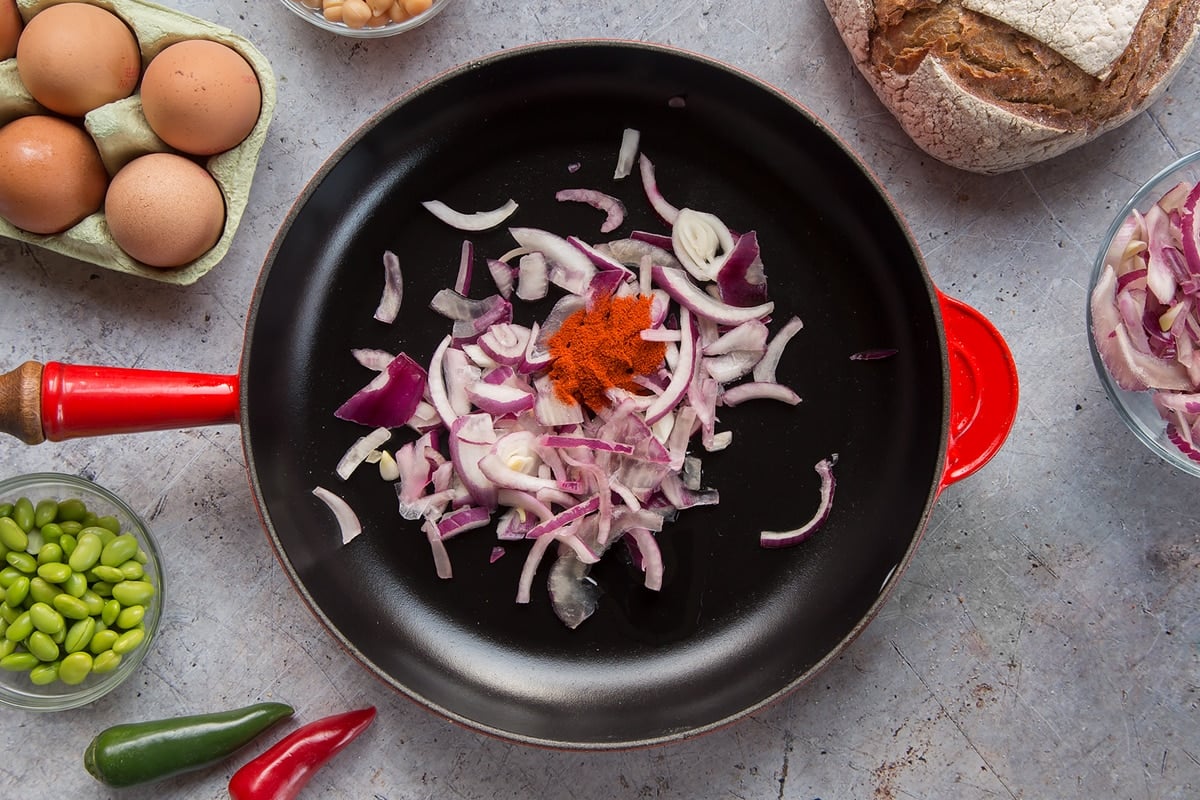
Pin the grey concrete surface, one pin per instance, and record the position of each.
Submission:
(1045, 642)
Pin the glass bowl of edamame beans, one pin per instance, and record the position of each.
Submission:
(81, 590)
(367, 19)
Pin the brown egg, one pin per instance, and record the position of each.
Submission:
(201, 97)
(164, 210)
(10, 28)
(74, 57)
(51, 176)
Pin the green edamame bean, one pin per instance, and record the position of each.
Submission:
(45, 618)
(128, 641)
(17, 591)
(94, 603)
(75, 584)
(80, 634)
(119, 550)
(103, 588)
(109, 522)
(44, 512)
(106, 662)
(50, 553)
(110, 574)
(23, 513)
(59, 636)
(89, 519)
(52, 532)
(75, 667)
(20, 628)
(141, 557)
(112, 610)
(132, 570)
(72, 510)
(70, 527)
(20, 661)
(133, 593)
(67, 542)
(7, 647)
(44, 674)
(131, 617)
(70, 607)
(54, 572)
(42, 591)
(6, 509)
(42, 646)
(3, 629)
(8, 613)
(12, 535)
(102, 640)
(22, 561)
(8, 575)
(87, 551)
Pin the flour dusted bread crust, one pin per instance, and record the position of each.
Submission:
(996, 85)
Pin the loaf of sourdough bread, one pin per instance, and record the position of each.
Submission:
(996, 85)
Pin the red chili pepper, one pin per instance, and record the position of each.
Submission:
(284, 769)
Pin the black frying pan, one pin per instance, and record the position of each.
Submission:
(735, 626)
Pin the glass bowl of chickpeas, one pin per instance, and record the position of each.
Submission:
(367, 19)
(81, 591)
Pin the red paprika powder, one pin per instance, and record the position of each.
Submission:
(599, 348)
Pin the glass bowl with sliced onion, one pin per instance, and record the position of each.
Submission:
(1143, 314)
(367, 19)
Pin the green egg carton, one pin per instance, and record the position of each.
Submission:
(122, 133)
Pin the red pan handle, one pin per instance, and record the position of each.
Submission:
(983, 389)
(62, 401)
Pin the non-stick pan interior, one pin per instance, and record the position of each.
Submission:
(735, 625)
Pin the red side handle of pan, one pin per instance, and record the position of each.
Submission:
(61, 401)
(64, 401)
(983, 389)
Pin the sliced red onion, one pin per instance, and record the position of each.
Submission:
(729, 367)
(701, 242)
(590, 442)
(460, 375)
(358, 452)
(437, 548)
(347, 521)
(824, 469)
(476, 221)
(750, 335)
(564, 518)
(393, 289)
(627, 153)
(754, 390)
(764, 370)
(651, 555)
(570, 269)
(573, 596)
(665, 210)
(550, 409)
(466, 266)
(613, 208)
(742, 279)
(505, 343)
(599, 258)
(659, 335)
(681, 377)
(504, 276)
(437, 384)
(529, 570)
(1131, 369)
(677, 284)
(633, 251)
(533, 277)
(462, 520)
(371, 358)
(500, 399)
(471, 439)
(496, 554)
(390, 399)
(492, 310)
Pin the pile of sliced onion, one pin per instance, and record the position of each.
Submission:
(495, 444)
(1146, 311)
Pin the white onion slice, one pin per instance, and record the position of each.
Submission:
(477, 221)
(764, 370)
(393, 289)
(677, 284)
(755, 390)
(347, 520)
(702, 243)
(627, 153)
(358, 452)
